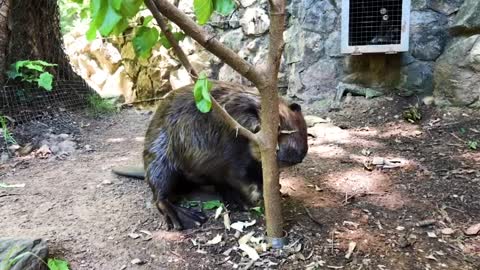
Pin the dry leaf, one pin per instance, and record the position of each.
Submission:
(226, 221)
(218, 212)
(134, 235)
(244, 239)
(251, 252)
(217, 239)
(351, 248)
(239, 225)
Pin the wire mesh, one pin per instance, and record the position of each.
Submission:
(40, 38)
(375, 22)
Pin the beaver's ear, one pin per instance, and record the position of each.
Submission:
(295, 107)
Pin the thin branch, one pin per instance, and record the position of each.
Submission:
(211, 44)
(227, 118)
(171, 39)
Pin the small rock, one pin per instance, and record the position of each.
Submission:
(400, 228)
(448, 231)
(28, 251)
(134, 235)
(137, 261)
(378, 161)
(473, 230)
(312, 120)
(106, 182)
(429, 100)
(431, 234)
(14, 147)
(88, 148)
(4, 158)
(25, 150)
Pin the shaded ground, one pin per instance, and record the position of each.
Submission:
(337, 196)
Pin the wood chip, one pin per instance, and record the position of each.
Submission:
(137, 261)
(251, 252)
(448, 231)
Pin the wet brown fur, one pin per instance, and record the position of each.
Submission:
(187, 148)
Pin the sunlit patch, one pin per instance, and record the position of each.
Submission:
(374, 185)
(116, 140)
(297, 188)
(327, 151)
(329, 134)
(139, 139)
(471, 156)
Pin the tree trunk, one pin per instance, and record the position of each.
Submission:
(35, 34)
(4, 36)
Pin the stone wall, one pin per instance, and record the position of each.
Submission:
(313, 67)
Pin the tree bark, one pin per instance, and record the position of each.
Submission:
(270, 122)
(4, 37)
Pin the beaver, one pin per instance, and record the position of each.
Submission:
(186, 148)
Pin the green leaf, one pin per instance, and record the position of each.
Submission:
(120, 27)
(201, 93)
(130, 7)
(209, 205)
(203, 10)
(258, 210)
(43, 63)
(34, 66)
(147, 20)
(144, 41)
(56, 264)
(12, 74)
(164, 41)
(84, 14)
(110, 21)
(116, 4)
(20, 64)
(92, 32)
(224, 7)
(45, 80)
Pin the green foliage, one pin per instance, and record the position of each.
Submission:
(209, 205)
(201, 92)
(472, 145)
(7, 136)
(164, 41)
(258, 210)
(32, 71)
(72, 13)
(9, 260)
(412, 114)
(204, 9)
(99, 106)
(144, 41)
(56, 264)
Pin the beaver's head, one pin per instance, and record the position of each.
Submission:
(292, 135)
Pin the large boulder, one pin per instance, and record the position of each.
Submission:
(457, 73)
(468, 17)
(29, 251)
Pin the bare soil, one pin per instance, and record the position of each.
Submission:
(335, 197)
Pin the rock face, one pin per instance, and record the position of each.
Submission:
(457, 73)
(11, 248)
(468, 17)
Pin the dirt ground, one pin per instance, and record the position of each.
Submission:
(410, 215)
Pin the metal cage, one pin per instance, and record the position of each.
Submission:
(375, 26)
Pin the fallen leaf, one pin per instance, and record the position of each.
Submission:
(218, 212)
(4, 185)
(217, 239)
(351, 248)
(239, 225)
(473, 230)
(137, 261)
(134, 235)
(244, 239)
(226, 221)
(251, 252)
